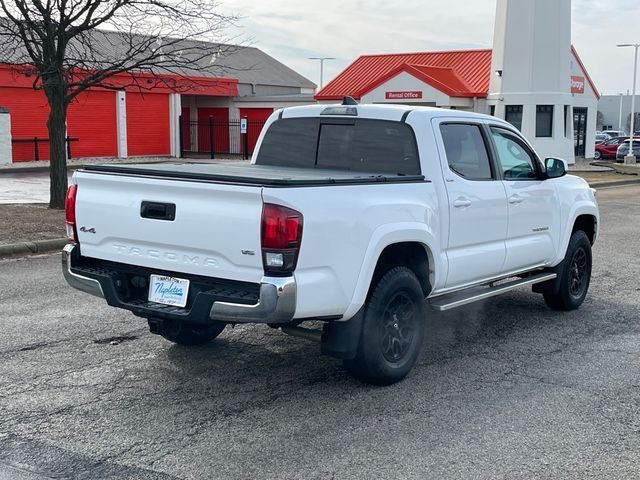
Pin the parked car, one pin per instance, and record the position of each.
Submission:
(601, 137)
(609, 148)
(615, 133)
(623, 149)
(357, 216)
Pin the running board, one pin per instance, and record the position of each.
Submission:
(449, 301)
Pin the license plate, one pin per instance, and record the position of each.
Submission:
(168, 290)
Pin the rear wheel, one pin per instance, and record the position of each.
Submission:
(575, 275)
(392, 330)
(191, 334)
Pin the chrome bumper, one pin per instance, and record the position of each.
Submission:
(87, 285)
(276, 303)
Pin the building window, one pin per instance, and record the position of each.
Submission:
(513, 115)
(492, 110)
(567, 112)
(544, 121)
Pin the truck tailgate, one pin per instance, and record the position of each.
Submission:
(215, 231)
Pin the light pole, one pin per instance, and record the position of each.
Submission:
(631, 158)
(322, 59)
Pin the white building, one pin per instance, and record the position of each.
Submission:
(616, 112)
(533, 78)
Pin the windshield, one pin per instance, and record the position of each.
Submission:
(363, 145)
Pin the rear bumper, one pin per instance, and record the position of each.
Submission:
(272, 301)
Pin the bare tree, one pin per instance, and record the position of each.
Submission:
(599, 120)
(73, 45)
(636, 123)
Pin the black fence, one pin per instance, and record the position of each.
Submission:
(23, 147)
(213, 137)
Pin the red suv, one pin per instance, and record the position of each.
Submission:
(609, 148)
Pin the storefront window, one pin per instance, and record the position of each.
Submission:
(513, 115)
(544, 121)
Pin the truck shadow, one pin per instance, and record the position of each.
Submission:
(248, 356)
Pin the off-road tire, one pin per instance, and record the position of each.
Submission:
(574, 276)
(392, 329)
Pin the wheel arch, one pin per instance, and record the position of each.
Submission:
(588, 224)
(416, 256)
(415, 241)
(584, 216)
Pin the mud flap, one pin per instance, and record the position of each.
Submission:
(550, 287)
(341, 339)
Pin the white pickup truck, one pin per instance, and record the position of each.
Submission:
(362, 217)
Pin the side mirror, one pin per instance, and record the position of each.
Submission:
(556, 167)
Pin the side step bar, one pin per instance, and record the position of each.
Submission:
(449, 301)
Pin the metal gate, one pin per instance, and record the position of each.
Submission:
(219, 137)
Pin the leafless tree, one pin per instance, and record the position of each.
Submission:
(68, 46)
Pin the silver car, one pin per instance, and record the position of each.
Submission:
(623, 149)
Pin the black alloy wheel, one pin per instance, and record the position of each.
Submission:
(574, 275)
(578, 273)
(392, 329)
(397, 327)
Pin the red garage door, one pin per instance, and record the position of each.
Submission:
(220, 125)
(29, 111)
(92, 119)
(148, 124)
(255, 120)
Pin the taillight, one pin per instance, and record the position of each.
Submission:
(70, 206)
(281, 237)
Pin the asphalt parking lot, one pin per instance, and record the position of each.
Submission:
(505, 389)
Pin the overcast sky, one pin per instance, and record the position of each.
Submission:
(292, 30)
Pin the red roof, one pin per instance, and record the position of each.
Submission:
(464, 71)
(460, 73)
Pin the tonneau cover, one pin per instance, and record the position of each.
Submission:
(248, 174)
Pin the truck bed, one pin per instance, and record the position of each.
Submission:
(255, 175)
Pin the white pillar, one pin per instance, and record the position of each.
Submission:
(5, 137)
(121, 123)
(531, 66)
(175, 110)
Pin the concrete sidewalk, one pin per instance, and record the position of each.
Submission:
(76, 163)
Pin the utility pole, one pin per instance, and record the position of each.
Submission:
(322, 59)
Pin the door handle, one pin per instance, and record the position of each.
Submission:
(461, 202)
(514, 199)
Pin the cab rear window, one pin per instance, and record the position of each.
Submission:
(364, 145)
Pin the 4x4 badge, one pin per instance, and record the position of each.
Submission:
(87, 230)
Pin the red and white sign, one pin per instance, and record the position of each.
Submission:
(416, 95)
(577, 84)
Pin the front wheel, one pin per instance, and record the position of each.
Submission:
(392, 330)
(597, 155)
(574, 276)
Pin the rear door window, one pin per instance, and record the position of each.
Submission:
(363, 145)
(466, 151)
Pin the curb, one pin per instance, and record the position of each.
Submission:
(621, 183)
(31, 248)
(133, 161)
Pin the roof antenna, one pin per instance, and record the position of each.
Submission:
(348, 101)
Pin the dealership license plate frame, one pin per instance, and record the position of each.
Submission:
(173, 284)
